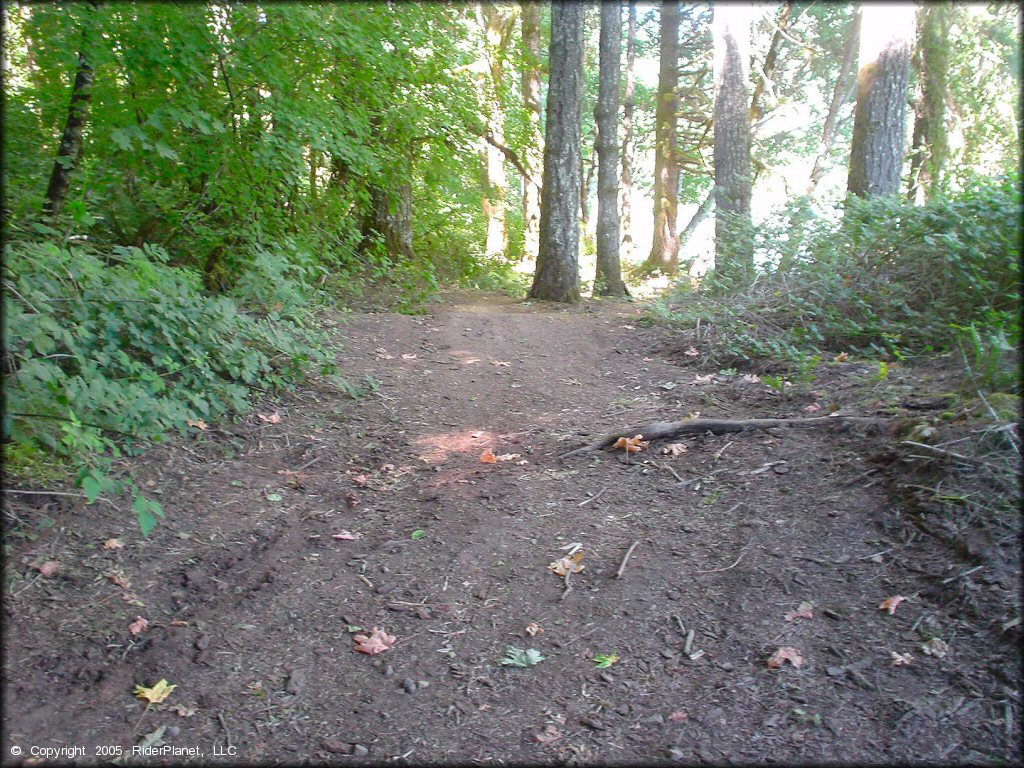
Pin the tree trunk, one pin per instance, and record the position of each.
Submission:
(70, 149)
(533, 156)
(930, 146)
(876, 157)
(734, 258)
(770, 60)
(389, 220)
(628, 103)
(664, 254)
(493, 29)
(703, 211)
(839, 98)
(608, 277)
(557, 275)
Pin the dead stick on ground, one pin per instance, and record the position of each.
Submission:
(663, 429)
(674, 473)
(718, 570)
(568, 587)
(625, 560)
(227, 733)
(595, 497)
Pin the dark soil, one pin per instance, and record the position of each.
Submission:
(251, 604)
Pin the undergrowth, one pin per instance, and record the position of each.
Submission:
(882, 278)
(106, 351)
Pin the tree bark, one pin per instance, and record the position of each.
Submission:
(389, 220)
(839, 99)
(930, 147)
(495, 193)
(533, 155)
(734, 259)
(70, 150)
(664, 254)
(557, 275)
(628, 104)
(608, 277)
(876, 157)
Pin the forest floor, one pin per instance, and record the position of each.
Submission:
(252, 589)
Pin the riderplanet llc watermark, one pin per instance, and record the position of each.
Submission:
(114, 751)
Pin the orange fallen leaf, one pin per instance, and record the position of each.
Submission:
(198, 423)
(46, 569)
(273, 418)
(631, 444)
(890, 603)
(113, 544)
(376, 642)
(138, 626)
(841, 357)
(674, 449)
(533, 629)
(564, 565)
(804, 611)
(119, 578)
(488, 457)
(792, 655)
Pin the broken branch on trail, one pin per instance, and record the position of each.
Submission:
(660, 430)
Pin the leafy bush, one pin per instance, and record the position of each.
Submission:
(882, 277)
(106, 352)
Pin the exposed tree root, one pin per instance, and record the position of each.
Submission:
(660, 430)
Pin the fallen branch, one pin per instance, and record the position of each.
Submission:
(660, 430)
(625, 560)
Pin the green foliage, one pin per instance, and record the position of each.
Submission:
(107, 351)
(883, 278)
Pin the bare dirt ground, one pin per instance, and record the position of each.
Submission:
(252, 605)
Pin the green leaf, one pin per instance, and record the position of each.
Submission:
(92, 488)
(274, 497)
(146, 521)
(517, 657)
(419, 533)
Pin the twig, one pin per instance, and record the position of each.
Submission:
(876, 554)
(580, 637)
(666, 466)
(227, 733)
(595, 497)
(689, 641)
(568, 587)
(959, 456)
(625, 560)
(717, 570)
(148, 705)
(718, 455)
(965, 573)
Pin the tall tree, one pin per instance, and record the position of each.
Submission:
(930, 147)
(664, 254)
(608, 277)
(533, 156)
(628, 104)
(557, 275)
(70, 148)
(733, 245)
(876, 156)
(840, 97)
(495, 28)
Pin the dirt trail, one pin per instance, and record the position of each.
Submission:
(250, 602)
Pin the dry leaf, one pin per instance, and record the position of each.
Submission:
(273, 418)
(156, 694)
(703, 379)
(803, 611)
(119, 578)
(678, 717)
(351, 500)
(631, 444)
(533, 629)
(345, 536)
(138, 626)
(890, 603)
(179, 623)
(901, 659)
(488, 457)
(183, 711)
(507, 456)
(564, 565)
(360, 480)
(935, 647)
(812, 408)
(376, 642)
(841, 357)
(478, 434)
(408, 357)
(46, 569)
(382, 354)
(500, 362)
(792, 655)
(471, 360)
(113, 544)
(750, 378)
(198, 423)
(549, 735)
(691, 352)
(674, 449)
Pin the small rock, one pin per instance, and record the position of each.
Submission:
(409, 684)
(593, 723)
(675, 753)
(841, 559)
(171, 731)
(726, 666)
(423, 612)
(835, 671)
(606, 677)
(672, 595)
(296, 682)
(781, 469)
(389, 671)
(358, 750)
(422, 684)
(202, 642)
(335, 746)
(654, 720)
(668, 653)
